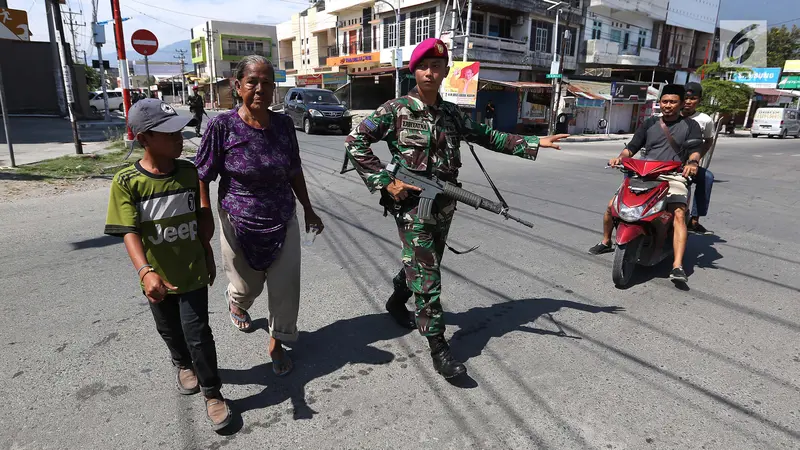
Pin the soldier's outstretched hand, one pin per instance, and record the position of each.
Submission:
(550, 141)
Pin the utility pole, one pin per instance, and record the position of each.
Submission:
(4, 107)
(123, 62)
(469, 23)
(212, 64)
(58, 77)
(99, 38)
(182, 59)
(74, 31)
(66, 72)
(559, 81)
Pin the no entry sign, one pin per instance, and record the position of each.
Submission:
(144, 42)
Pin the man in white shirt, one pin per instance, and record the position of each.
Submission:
(704, 179)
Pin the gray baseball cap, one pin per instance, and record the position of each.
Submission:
(151, 114)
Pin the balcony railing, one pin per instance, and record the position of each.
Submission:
(239, 52)
(323, 61)
(611, 52)
(288, 65)
(348, 48)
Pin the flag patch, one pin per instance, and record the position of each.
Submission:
(370, 124)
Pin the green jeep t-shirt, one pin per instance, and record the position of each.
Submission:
(162, 209)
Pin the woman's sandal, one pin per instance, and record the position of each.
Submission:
(244, 323)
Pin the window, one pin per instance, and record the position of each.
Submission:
(568, 37)
(616, 35)
(541, 40)
(389, 33)
(422, 30)
(626, 40)
(597, 29)
(642, 38)
(500, 27)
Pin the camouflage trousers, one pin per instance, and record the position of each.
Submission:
(423, 247)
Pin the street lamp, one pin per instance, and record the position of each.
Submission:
(398, 61)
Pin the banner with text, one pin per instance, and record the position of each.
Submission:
(461, 86)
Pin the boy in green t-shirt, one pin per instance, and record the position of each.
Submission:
(155, 206)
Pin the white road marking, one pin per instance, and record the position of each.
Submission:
(757, 156)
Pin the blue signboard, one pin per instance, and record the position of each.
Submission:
(759, 77)
(280, 76)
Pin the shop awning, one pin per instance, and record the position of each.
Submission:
(772, 92)
(592, 90)
(378, 71)
(522, 85)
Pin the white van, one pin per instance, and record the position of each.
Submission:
(780, 122)
(114, 100)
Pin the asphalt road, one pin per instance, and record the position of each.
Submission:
(716, 366)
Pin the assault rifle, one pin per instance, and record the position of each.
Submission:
(433, 186)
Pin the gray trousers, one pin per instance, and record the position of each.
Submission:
(282, 279)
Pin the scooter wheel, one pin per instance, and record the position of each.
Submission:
(625, 258)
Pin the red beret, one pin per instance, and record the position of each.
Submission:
(429, 48)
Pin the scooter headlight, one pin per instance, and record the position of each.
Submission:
(656, 208)
(630, 214)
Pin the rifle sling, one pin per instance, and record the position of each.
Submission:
(489, 179)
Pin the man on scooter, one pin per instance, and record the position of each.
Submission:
(662, 139)
(704, 179)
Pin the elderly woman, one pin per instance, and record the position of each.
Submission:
(255, 154)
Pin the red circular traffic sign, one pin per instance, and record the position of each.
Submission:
(144, 42)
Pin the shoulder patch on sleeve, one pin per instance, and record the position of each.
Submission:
(370, 124)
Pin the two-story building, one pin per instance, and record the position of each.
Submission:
(217, 47)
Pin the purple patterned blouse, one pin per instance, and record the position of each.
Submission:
(255, 167)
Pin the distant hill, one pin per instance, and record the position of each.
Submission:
(166, 53)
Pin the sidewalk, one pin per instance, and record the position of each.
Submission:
(38, 139)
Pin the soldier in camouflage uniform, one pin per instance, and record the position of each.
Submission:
(424, 134)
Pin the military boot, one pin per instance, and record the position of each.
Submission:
(396, 305)
(443, 361)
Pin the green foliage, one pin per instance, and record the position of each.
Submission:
(782, 44)
(92, 78)
(724, 97)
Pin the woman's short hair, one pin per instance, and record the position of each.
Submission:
(252, 60)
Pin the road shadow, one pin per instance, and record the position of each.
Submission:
(349, 341)
(478, 326)
(98, 242)
(317, 354)
(700, 252)
(18, 176)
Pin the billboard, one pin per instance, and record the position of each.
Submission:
(280, 76)
(792, 66)
(629, 93)
(766, 78)
(791, 82)
(461, 85)
(743, 43)
(693, 14)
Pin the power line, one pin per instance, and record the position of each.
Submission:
(159, 20)
(785, 21)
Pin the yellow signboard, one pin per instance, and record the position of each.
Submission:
(461, 86)
(14, 24)
(792, 65)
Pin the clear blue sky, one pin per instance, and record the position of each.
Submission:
(773, 11)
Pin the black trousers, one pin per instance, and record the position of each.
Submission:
(182, 321)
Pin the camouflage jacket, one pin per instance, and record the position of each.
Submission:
(196, 103)
(425, 139)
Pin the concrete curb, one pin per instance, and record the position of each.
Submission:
(87, 125)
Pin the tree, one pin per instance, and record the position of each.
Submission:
(724, 97)
(92, 78)
(782, 44)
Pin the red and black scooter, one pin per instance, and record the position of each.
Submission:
(643, 223)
